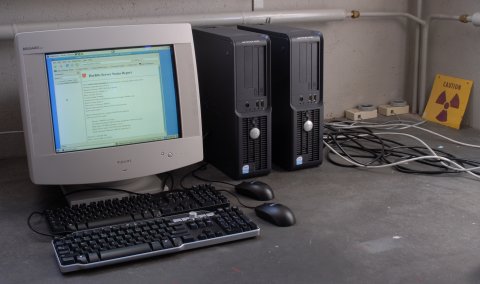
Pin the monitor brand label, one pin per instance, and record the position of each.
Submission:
(32, 48)
(122, 162)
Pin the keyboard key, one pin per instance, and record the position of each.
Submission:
(93, 257)
(188, 239)
(67, 260)
(156, 245)
(126, 251)
(167, 244)
(110, 221)
(81, 226)
(81, 259)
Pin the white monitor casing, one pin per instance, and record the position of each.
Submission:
(113, 163)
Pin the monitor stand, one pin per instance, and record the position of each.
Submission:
(148, 184)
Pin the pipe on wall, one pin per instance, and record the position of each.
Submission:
(416, 59)
(420, 24)
(475, 20)
(389, 14)
(321, 15)
(9, 31)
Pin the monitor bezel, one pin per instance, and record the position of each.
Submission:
(105, 164)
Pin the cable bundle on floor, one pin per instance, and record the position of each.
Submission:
(352, 144)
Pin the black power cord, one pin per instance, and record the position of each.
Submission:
(236, 197)
(29, 220)
(204, 167)
(182, 179)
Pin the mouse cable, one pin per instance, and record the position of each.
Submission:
(204, 167)
(236, 197)
(195, 175)
(182, 179)
(29, 219)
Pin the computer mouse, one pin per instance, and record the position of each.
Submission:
(255, 189)
(276, 214)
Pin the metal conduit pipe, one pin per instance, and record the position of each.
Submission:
(9, 31)
(475, 20)
(421, 23)
(390, 15)
(416, 59)
(321, 15)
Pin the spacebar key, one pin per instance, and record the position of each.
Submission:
(126, 251)
(110, 221)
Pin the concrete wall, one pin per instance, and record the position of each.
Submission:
(454, 50)
(366, 60)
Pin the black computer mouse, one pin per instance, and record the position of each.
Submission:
(255, 189)
(276, 214)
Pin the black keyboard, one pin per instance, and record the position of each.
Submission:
(158, 236)
(133, 208)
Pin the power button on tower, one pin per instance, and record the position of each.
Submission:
(308, 125)
(254, 133)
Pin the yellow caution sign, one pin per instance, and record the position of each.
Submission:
(448, 100)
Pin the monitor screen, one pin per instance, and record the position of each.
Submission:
(112, 97)
(108, 104)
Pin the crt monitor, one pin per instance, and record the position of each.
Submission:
(109, 104)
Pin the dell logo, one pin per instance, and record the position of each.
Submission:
(122, 162)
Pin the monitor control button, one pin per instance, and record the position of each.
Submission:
(308, 125)
(254, 133)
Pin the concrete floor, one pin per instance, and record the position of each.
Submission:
(353, 226)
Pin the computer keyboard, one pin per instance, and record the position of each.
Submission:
(157, 236)
(133, 208)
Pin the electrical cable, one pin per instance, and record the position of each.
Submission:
(356, 145)
(172, 182)
(402, 126)
(182, 179)
(194, 174)
(70, 193)
(11, 132)
(236, 197)
(33, 229)
(102, 188)
(204, 167)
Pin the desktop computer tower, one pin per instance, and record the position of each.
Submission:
(297, 95)
(234, 80)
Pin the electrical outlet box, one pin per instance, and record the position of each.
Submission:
(356, 114)
(389, 110)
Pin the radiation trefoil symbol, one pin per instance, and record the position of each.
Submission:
(442, 100)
